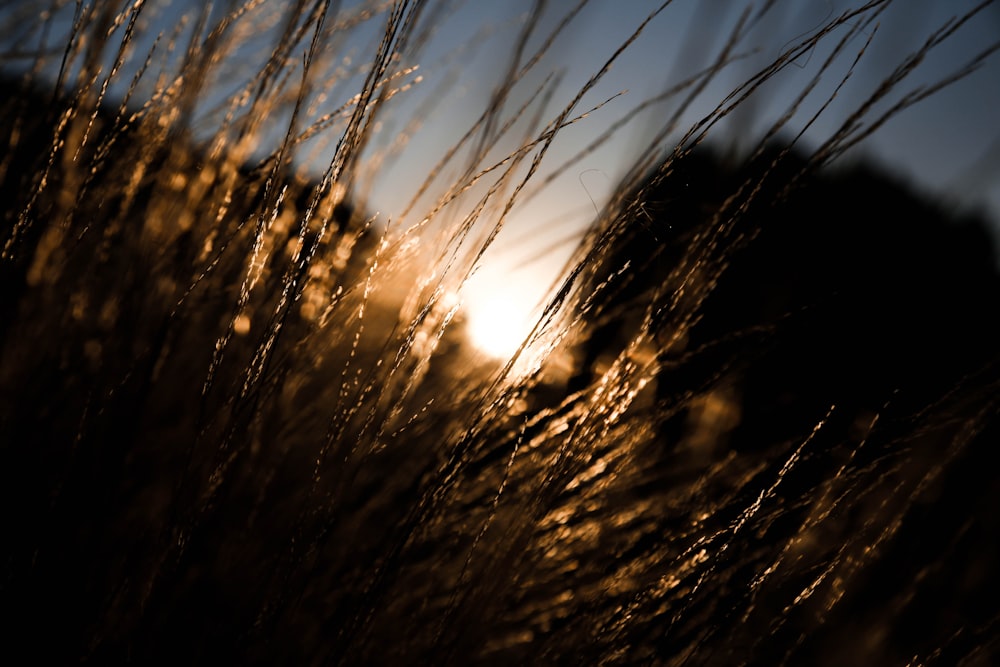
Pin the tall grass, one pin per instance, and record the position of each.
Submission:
(241, 420)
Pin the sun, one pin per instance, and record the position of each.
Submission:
(497, 324)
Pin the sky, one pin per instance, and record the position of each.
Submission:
(934, 144)
(947, 145)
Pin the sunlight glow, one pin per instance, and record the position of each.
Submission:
(498, 323)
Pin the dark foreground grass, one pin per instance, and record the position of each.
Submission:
(227, 438)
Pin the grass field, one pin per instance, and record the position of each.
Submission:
(243, 420)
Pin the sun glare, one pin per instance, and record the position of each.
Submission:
(498, 324)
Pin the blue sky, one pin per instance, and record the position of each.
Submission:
(934, 143)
